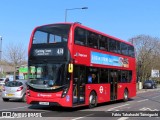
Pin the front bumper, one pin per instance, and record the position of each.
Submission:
(52, 102)
(17, 95)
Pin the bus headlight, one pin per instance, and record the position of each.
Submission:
(64, 92)
(28, 92)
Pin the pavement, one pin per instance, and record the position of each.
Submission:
(145, 90)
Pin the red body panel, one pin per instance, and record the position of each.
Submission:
(131, 89)
(102, 90)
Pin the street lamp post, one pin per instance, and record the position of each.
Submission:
(0, 48)
(72, 9)
(0, 53)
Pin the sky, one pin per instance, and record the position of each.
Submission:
(123, 19)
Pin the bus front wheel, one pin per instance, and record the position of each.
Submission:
(92, 100)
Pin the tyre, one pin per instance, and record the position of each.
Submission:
(24, 98)
(92, 100)
(125, 96)
(5, 99)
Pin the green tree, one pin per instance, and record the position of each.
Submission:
(147, 53)
(15, 55)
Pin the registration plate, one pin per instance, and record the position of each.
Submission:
(10, 95)
(44, 103)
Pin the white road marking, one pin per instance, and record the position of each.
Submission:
(142, 100)
(82, 117)
(13, 108)
(117, 107)
(146, 109)
(123, 118)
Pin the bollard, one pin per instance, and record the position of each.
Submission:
(140, 85)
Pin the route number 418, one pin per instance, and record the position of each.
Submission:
(60, 51)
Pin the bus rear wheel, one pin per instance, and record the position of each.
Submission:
(125, 97)
(92, 100)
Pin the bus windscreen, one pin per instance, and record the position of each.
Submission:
(51, 34)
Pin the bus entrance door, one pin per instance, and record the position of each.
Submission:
(113, 87)
(78, 85)
(78, 92)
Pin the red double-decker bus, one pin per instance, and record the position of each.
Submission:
(72, 65)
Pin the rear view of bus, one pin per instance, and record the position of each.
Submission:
(48, 66)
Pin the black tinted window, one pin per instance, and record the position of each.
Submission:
(104, 76)
(13, 84)
(131, 51)
(80, 74)
(119, 75)
(92, 40)
(80, 36)
(124, 49)
(103, 43)
(98, 41)
(118, 47)
(93, 73)
(124, 77)
(51, 34)
(113, 75)
(112, 46)
(1, 79)
(130, 76)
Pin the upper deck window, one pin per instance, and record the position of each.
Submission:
(112, 45)
(51, 34)
(80, 36)
(103, 43)
(92, 40)
(118, 47)
(131, 51)
(124, 49)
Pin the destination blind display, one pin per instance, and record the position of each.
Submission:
(49, 52)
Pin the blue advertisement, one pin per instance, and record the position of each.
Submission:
(105, 59)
